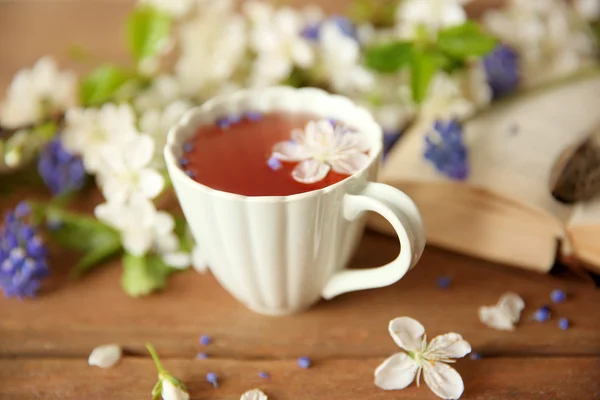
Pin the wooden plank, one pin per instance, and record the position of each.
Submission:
(344, 379)
(70, 318)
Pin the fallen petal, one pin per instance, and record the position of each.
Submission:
(254, 394)
(443, 380)
(407, 333)
(397, 372)
(512, 304)
(310, 171)
(105, 356)
(496, 318)
(450, 345)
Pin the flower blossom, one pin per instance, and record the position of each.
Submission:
(144, 229)
(157, 123)
(502, 70)
(168, 387)
(323, 146)
(276, 39)
(127, 170)
(549, 36)
(212, 47)
(22, 255)
(421, 357)
(340, 58)
(88, 131)
(412, 15)
(164, 90)
(37, 94)
(62, 171)
(445, 148)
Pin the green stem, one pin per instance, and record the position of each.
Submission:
(154, 355)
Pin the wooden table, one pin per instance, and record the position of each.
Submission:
(44, 343)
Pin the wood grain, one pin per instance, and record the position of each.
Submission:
(341, 379)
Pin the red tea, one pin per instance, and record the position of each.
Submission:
(233, 155)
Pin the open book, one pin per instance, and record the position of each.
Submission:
(504, 211)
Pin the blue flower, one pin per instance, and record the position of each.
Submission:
(446, 150)
(389, 141)
(502, 70)
(22, 255)
(62, 171)
(312, 31)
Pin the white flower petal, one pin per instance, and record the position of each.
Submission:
(139, 151)
(449, 345)
(163, 223)
(290, 151)
(105, 356)
(167, 243)
(177, 260)
(151, 183)
(137, 241)
(310, 171)
(199, 260)
(443, 380)
(350, 163)
(171, 392)
(495, 318)
(407, 333)
(397, 372)
(512, 304)
(254, 394)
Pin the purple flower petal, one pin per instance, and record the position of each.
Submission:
(304, 362)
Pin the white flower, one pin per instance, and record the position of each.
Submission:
(157, 124)
(254, 394)
(400, 370)
(127, 170)
(105, 356)
(212, 45)
(321, 147)
(175, 8)
(431, 14)
(551, 39)
(199, 261)
(38, 93)
(172, 392)
(588, 9)
(164, 90)
(446, 99)
(276, 39)
(504, 315)
(142, 227)
(340, 55)
(88, 131)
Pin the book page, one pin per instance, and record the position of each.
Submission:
(586, 213)
(513, 146)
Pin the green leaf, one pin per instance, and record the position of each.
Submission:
(45, 131)
(465, 40)
(143, 275)
(95, 257)
(101, 85)
(389, 57)
(186, 241)
(80, 232)
(147, 31)
(423, 68)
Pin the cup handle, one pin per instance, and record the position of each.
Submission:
(403, 214)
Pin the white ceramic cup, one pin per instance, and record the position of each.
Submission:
(281, 254)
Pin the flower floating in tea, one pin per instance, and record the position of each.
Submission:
(430, 359)
(322, 147)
